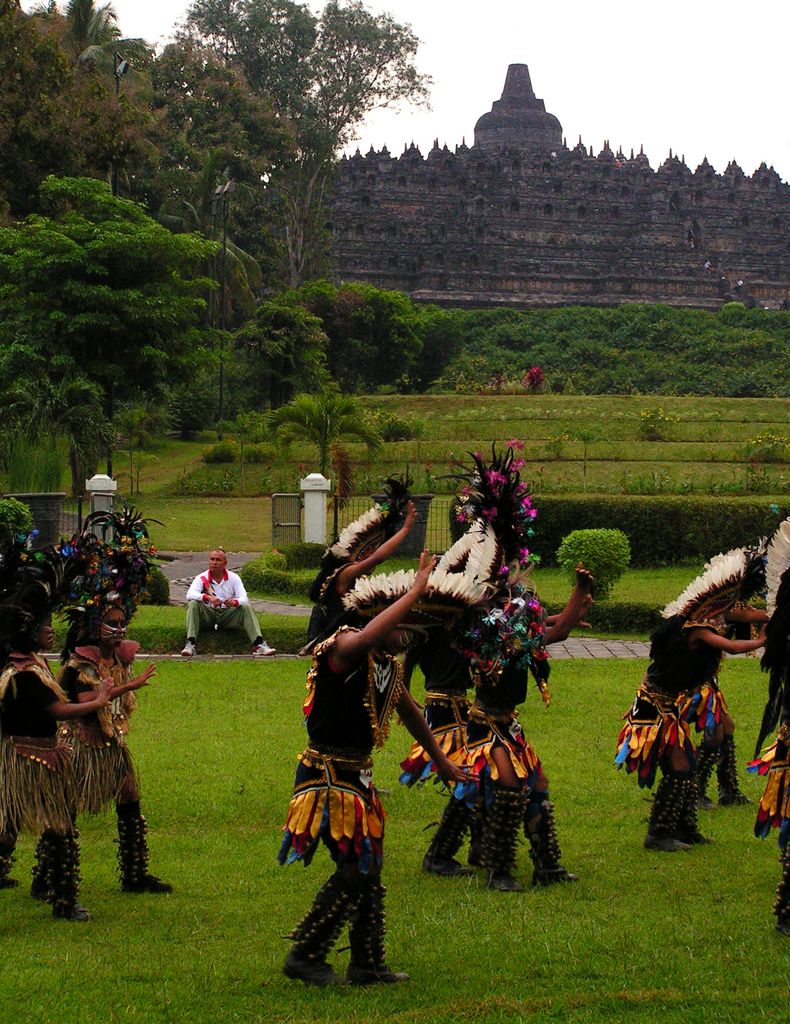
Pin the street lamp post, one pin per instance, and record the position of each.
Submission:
(119, 69)
(222, 194)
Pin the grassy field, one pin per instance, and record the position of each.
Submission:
(642, 937)
(573, 443)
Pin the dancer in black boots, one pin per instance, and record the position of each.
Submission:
(354, 686)
(113, 574)
(685, 653)
(447, 680)
(36, 779)
(774, 763)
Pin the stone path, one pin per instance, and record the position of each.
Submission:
(186, 565)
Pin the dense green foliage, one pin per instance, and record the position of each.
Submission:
(606, 553)
(661, 530)
(629, 349)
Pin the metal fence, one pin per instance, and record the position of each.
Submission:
(437, 519)
(71, 516)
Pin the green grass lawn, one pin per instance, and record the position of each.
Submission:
(642, 937)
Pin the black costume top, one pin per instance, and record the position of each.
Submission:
(674, 666)
(350, 709)
(505, 690)
(24, 707)
(444, 667)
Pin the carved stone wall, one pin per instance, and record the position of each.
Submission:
(520, 219)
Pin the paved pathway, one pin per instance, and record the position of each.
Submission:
(186, 565)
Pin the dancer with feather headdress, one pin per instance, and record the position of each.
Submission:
(354, 686)
(774, 763)
(362, 545)
(681, 687)
(501, 636)
(37, 785)
(112, 559)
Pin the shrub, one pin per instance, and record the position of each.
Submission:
(274, 559)
(303, 555)
(222, 451)
(768, 447)
(654, 424)
(397, 428)
(254, 454)
(606, 553)
(15, 517)
(158, 589)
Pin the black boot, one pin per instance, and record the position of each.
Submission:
(782, 902)
(707, 759)
(727, 774)
(7, 847)
(688, 831)
(64, 874)
(662, 829)
(440, 858)
(317, 932)
(500, 837)
(541, 831)
(46, 848)
(368, 963)
(133, 852)
(476, 823)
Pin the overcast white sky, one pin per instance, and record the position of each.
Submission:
(698, 77)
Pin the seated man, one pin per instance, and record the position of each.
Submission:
(218, 598)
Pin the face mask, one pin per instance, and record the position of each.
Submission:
(109, 632)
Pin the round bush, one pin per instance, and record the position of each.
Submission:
(158, 589)
(222, 451)
(606, 553)
(303, 555)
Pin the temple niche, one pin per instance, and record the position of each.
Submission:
(521, 219)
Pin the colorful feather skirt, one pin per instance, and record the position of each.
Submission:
(446, 715)
(705, 707)
(334, 802)
(36, 784)
(774, 808)
(103, 768)
(488, 731)
(653, 727)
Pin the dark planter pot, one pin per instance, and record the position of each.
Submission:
(46, 508)
(414, 544)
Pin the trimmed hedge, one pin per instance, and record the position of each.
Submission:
(261, 577)
(303, 555)
(661, 529)
(618, 617)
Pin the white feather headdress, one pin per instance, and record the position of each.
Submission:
(777, 562)
(726, 579)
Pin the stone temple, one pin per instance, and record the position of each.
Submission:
(519, 219)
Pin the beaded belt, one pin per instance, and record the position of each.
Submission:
(480, 714)
(347, 758)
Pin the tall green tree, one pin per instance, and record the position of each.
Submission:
(323, 74)
(59, 119)
(373, 334)
(281, 349)
(97, 288)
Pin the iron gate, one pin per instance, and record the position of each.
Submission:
(286, 519)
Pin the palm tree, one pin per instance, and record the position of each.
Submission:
(328, 421)
(72, 407)
(197, 211)
(91, 32)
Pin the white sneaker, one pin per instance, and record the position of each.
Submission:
(263, 650)
(189, 649)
